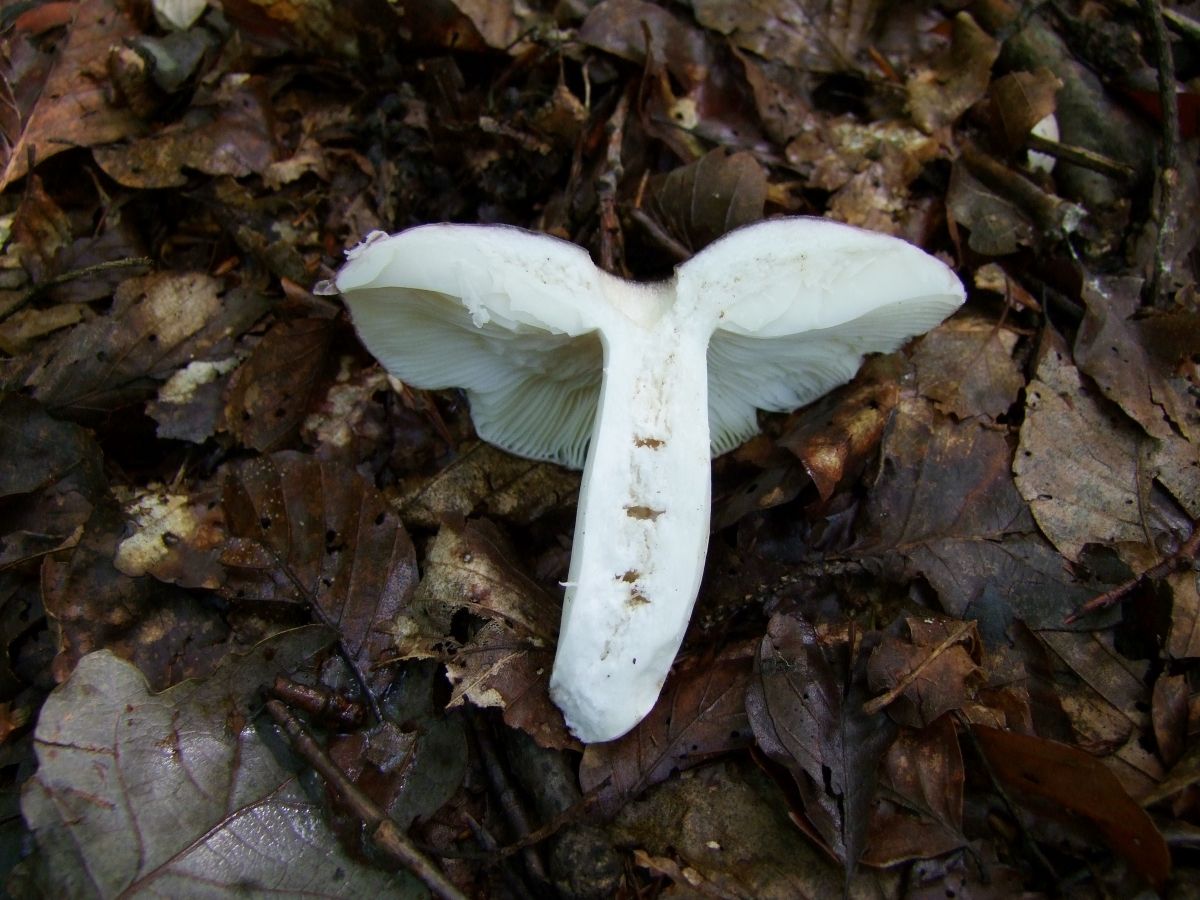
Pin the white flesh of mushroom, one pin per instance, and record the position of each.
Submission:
(769, 317)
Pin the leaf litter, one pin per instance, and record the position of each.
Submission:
(949, 630)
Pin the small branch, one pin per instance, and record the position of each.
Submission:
(1182, 560)
(1168, 169)
(1081, 156)
(132, 262)
(873, 706)
(383, 831)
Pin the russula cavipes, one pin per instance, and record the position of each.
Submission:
(638, 385)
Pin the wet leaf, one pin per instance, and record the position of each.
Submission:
(1063, 782)
(806, 709)
(220, 812)
(175, 537)
(309, 531)
(700, 714)
(270, 393)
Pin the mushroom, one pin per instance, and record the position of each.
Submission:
(637, 384)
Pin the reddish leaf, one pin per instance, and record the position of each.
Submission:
(700, 714)
(1063, 782)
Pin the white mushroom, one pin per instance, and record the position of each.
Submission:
(637, 384)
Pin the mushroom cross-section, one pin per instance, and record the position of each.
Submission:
(638, 384)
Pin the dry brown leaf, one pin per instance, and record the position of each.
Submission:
(1019, 100)
(699, 202)
(1183, 638)
(1078, 463)
(836, 436)
(966, 366)
(959, 79)
(72, 107)
(310, 532)
(931, 671)
(506, 662)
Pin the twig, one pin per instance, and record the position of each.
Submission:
(132, 262)
(1182, 560)
(1081, 156)
(607, 183)
(873, 706)
(1168, 170)
(383, 831)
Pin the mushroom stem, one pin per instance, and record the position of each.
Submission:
(641, 531)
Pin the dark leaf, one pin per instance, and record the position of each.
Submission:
(1060, 781)
(806, 709)
(330, 540)
(719, 192)
(700, 714)
(270, 394)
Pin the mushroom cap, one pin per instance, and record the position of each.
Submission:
(518, 320)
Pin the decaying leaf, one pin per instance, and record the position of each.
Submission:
(506, 662)
(177, 793)
(1061, 781)
(934, 671)
(159, 323)
(806, 709)
(310, 532)
(270, 393)
(700, 715)
(966, 366)
(71, 108)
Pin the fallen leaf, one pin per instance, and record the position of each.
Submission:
(270, 394)
(959, 79)
(209, 818)
(1061, 782)
(1183, 638)
(1078, 464)
(176, 537)
(932, 672)
(319, 534)
(700, 714)
(1019, 100)
(824, 38)
(71, 107)
(806, 709)
(1108, 349)
(726, 829)
(966, 366)
(836, 436)
(919, 814)
(159, 323)
(506, 662)
(699, 202)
